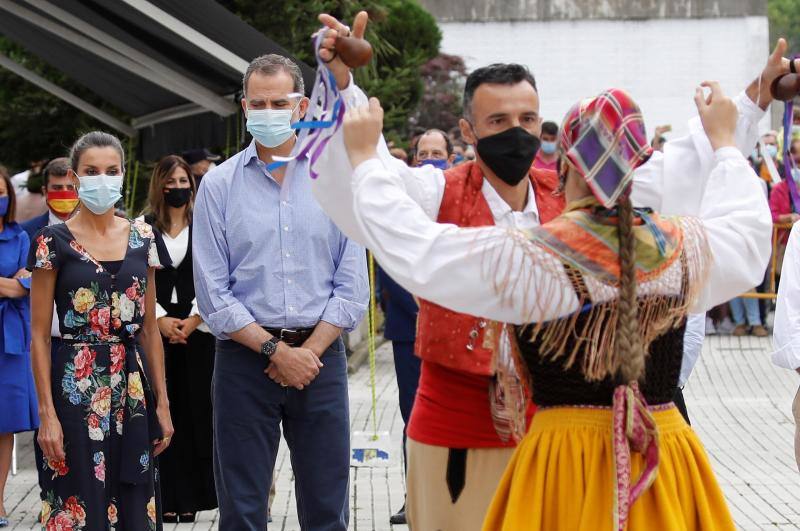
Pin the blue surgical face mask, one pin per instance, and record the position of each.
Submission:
(270, 127)
(772, 151)
(548, 148)
(4, 202)
(99, 193)
(442, 164)
(458, 160)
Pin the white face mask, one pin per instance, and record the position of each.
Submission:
(99, 193)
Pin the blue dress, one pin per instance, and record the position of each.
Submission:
(17, 391)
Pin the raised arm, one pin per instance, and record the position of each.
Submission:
(673, 182)
(423, 185)
(734, 211)
(443, 263)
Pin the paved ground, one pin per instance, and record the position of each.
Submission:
(739, 404)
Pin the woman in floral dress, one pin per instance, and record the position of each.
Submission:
(103, 407)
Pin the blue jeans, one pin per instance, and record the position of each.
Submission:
(249, 409)
(740, 306)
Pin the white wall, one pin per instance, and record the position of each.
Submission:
(658, 61)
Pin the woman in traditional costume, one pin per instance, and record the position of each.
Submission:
(600, 295)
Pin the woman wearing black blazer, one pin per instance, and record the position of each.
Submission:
(187, 479)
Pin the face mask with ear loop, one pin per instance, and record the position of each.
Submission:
(271, 127)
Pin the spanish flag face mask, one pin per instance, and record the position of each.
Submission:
(62, 202)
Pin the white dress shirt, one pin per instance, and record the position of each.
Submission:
(786, 330)
(497, 273)
(671, 183)
(692, 345)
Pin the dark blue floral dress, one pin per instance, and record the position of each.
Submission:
(100, 390)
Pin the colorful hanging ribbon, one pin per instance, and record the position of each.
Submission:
(788, 162)
(326, 112)
(634, 430)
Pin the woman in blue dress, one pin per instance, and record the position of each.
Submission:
(17, 393)
(103, 406)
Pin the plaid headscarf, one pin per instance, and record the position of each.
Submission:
(604, 139)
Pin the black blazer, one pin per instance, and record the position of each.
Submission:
(181, 279)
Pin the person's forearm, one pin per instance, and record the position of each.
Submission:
(251, 336)
(759, 93)
(42, 365)
(323, 337)
(11, 288)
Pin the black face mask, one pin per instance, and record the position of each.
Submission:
(177, 197)
(509, 154)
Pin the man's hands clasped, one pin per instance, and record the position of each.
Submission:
(293, 366)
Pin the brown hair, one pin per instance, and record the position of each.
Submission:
(155, 196)
(629, 343)
(12, 197)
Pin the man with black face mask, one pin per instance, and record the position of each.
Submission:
(459, 435)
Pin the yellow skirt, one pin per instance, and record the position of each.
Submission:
(561, 478)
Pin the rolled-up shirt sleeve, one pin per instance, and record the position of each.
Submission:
(786, 331)
(348, 302)
(220, 310)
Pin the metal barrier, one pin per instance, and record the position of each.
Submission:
(772, 293)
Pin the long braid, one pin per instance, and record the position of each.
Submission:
(629, 343)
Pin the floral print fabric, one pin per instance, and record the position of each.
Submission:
(100, 389)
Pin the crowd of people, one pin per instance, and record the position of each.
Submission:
(545, 290)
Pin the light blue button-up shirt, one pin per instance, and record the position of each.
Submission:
(268, 254)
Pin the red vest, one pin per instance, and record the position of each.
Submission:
(454, 339)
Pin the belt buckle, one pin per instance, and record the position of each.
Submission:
(285, 331)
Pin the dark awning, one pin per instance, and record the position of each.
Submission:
(165, 63)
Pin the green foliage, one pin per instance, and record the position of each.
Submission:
(784, 21)
(33, 124)
(403, 34)
(444, 77)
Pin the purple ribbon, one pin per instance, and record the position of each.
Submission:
(325, 112)
(788, 162)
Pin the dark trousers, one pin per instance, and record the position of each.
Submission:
(407, 368)
(680, 403)
(248, 411)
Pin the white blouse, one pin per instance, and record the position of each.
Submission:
(498, 274)
(177, 248)
(786, 330)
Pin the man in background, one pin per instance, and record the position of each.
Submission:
(60, 195)
(434, 147)
(547, 156)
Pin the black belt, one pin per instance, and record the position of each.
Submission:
(294, 337)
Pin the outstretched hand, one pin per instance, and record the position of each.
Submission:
(718, 115)
(362, 130)
(327, 52)
(776, 65)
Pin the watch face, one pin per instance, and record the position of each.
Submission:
(268, 348)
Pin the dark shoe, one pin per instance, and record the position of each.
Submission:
(187, 518)
(740, 330)
(169, 518)
(759, 331)
(399, 518)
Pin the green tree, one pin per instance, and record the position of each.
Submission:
(402, 33)
(784, 21)
(34, 124)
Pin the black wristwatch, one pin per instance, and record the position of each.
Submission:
(270, 346)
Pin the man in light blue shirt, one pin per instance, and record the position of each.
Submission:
(277, 283)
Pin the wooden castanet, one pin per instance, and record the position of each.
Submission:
(353, 52)
(785, 87)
